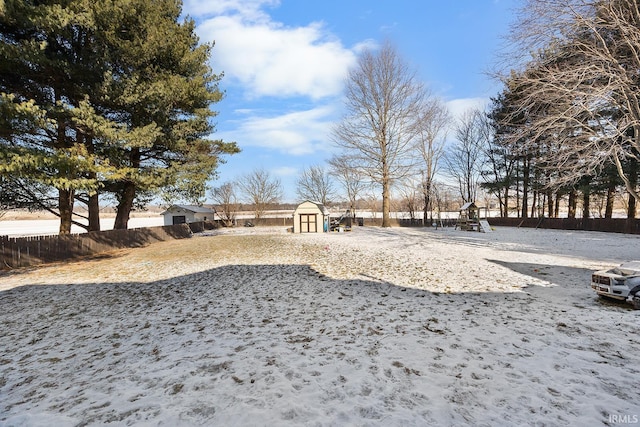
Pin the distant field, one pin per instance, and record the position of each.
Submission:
(39, 227)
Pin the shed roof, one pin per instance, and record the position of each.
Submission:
(320, 206)
(190, 208)
(468, 205)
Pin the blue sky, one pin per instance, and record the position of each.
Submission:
(284, 64)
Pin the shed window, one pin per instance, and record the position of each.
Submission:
(179, 219)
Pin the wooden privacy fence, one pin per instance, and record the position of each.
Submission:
(19, 252)
(407, 222)
(609, 225)
(269, 222)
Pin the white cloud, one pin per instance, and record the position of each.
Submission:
(458, 107)
(297, 133)
(268, 58)
(251, 9)
(285, 171)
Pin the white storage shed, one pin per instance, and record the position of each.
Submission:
(185, 214)
(310, 217)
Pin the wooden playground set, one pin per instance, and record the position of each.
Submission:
(473, 218)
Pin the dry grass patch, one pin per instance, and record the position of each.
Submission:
(163, 260)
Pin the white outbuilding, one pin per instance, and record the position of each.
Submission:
(310, 217)
(185, 214)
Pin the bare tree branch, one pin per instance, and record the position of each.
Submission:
(579, 92)
(261, 190)
(315, 184)
(350, 177)
(464, 158)
(432, 125)
(227, 202)
(383, 97)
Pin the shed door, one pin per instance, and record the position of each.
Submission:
(308, 223)
(179, 219)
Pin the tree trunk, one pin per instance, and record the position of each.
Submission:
(525, 188)
(631, 208)
(550, 205)
(352, 210)
(426, 193)
(425, 212)
(93, 205)
(611, 195)
(386, 221)
(505, 214)
(94, 213)
(572, 204)
(125, 206)
(65, 196)
(586, 201)
(534, 204)
(633, 182)
(65, 206)
(517, 192)
(127, 195)
(542, 203)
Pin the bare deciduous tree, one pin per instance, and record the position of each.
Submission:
(377, 132)
(464, 158)
(351, 179)
(410, 198)
(227, 202)
(445, 197)
(315, 183)
(433, 121)
(580, 90)
(261, 190)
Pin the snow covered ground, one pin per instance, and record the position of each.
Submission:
(371, 327)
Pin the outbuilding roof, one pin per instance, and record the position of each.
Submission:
(190, 208)
(320, 206)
